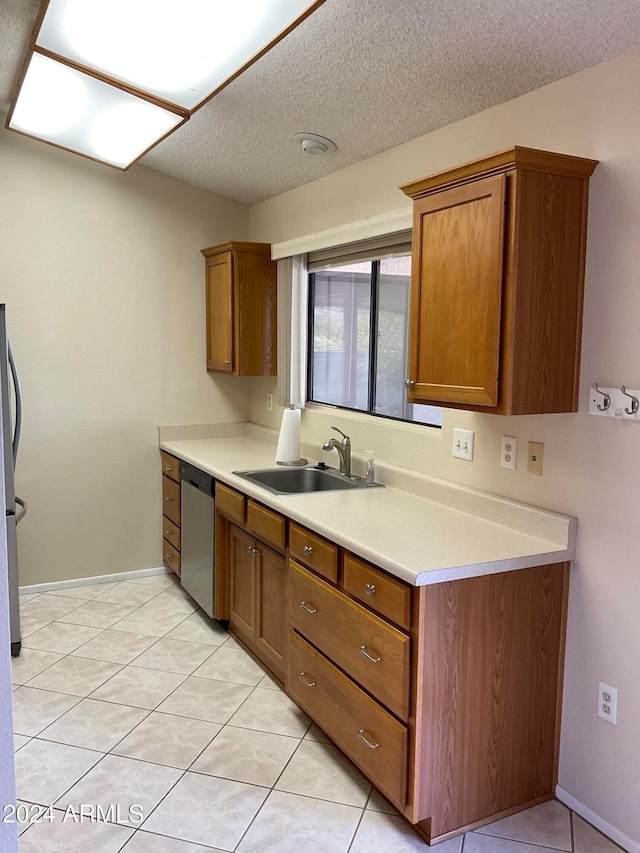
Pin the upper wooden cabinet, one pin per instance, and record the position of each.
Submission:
(497, 283)
(241, 309)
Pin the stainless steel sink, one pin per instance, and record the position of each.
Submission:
(296, 481)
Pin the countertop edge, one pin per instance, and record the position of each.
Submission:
(551, 552)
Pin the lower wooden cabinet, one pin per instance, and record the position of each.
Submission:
(371, 737)
(258, 597)
(447, 697)
(171, 512)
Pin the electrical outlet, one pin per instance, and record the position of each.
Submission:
(270, 401)
(534, 460)
(463, 444)
(608, 703)
(509, 452)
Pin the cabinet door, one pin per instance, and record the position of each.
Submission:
(242, 582)
(220, 313)
(272, 607)
(458, 241)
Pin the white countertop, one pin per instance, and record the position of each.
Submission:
(418, 539)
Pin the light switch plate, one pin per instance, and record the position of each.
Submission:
(463, 444)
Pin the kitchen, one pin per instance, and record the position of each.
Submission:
(105, 278)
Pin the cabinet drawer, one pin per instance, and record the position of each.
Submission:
(230, 503)
(170, 466)
(366, 647)
(382, 593)
(314, 551)
(348, 715)
(171, 532)
(265, 523)
(171, 499)
(170, 556)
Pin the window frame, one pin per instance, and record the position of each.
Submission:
(373, 348)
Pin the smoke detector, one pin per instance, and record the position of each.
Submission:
(314, 144)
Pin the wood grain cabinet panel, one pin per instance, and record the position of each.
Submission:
(171, 500)
(254, 577)
(242, 582)
(497, 283)
(265, 523)
(171, 556)
(369, 735)
(370, 650)
(386, 595)
(170, 466)
(313, 551)
(171, 532)
(170, 511)
(230, 503)
(241, 309)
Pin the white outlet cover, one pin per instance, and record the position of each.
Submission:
(509, 452)
(608, 703)
(463, 444)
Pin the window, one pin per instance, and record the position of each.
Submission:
(358, 338)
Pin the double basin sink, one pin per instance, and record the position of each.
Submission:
(296, 481)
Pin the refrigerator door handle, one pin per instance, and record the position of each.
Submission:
(18, 426)
(23, 511)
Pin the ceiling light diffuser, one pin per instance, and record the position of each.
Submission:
(110, 78)
(179, 51)
(72, 110)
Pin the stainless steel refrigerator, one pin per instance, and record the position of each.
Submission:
(10, 421)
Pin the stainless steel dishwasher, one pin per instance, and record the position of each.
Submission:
(196, 536)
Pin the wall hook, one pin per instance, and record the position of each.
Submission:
(606, 401)
(634, 401)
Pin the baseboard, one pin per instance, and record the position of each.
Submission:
(594, 819)
(118, 576)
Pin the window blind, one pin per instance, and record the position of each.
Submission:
(371, 249)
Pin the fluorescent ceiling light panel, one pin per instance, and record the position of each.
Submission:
(72, 110)
(180, 52)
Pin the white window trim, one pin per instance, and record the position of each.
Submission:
(362, 229)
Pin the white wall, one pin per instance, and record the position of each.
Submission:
(591, 465)
(104, 284)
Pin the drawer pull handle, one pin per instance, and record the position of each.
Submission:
(367, 742)
(227, 361)
(308, 549)
(168, 468)
(370, 588)
(169, 499)
(167, 533)
(251, 550)
(304, 680)
(365, 654)
(303, 606)
(167, 556)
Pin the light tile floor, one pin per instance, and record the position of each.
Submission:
(126, 695)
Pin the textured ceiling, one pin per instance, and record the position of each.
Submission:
(368, 75)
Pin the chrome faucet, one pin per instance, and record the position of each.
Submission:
(344, 450)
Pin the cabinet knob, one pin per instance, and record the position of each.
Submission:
(168, 499)
(308, 549)
(365, 654)
(366, 741)
(168, 468)
(254, 551)
(303, 606)
(167, 533)
(409, 383)
(370, 588)
(167, 556)
(227, 361)
(304, 680)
